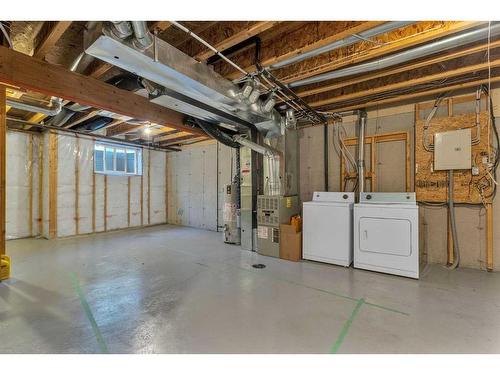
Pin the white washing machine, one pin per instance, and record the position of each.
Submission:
(327, 228)
(386, 233)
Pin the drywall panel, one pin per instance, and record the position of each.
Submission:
(17, 185)
(66, 212)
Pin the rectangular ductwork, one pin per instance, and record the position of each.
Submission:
(190, 87)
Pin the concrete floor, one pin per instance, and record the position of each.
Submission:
(170, 289)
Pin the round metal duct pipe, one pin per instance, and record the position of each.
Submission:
(384, 28)
(412, 54)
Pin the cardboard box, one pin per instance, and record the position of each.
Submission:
(290, 243)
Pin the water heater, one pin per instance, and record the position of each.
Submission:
(231, 215)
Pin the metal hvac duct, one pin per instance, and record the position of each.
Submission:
(414, 53)
(53, 109)
(186, 85)
(351, 39)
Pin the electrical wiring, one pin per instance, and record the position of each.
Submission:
(5, 34)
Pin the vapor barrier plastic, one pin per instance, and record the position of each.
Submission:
(22, 185)
(86, 202)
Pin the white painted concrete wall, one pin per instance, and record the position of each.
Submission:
(196, 179)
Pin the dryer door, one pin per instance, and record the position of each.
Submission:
(386, 239)
(385, 235)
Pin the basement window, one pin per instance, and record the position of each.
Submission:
(117, 160)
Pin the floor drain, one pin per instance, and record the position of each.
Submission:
(259, 265)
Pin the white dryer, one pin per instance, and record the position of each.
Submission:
(386, 233)
(327, 228)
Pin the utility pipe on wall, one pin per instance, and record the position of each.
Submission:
(361, 151)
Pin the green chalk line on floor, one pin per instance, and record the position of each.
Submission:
(345, 329)
(330, 292)
(88, 312)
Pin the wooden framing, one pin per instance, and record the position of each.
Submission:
(238, 37)
(405, 68)
(53, 180)
(149, 186)
(40, 184)
(105, 202)
(166, 187)
(142, 188)
(374, 52)
(372, 140)
(3, 156)
(407, 83)
(51, 38)
(77, 185)
(489, 237)
(93, 188)
(128, 201)
(30, 185)
(431, 185)
(21, 70)
(286, 46)
(408, 97)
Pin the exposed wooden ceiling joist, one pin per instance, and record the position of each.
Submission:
(239, 36)
(160, 25)
(37, 75)
(398, 40)
(294, 42)
(121, 129)
(407, 97)
(401, 69)
(165, 136)
(312, 69)
(179, 139)
(407, 84)
(56, 30)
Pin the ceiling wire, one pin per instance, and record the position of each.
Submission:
(6, 34)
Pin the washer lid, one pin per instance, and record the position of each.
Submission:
(328, 196)
(388, 198)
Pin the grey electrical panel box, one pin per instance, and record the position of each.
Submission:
(452, 150)
(273, 210)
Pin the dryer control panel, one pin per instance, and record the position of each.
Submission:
(388, 198)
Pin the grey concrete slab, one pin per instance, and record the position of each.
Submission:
(169, 289)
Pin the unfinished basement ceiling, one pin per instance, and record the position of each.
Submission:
(273, 42)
